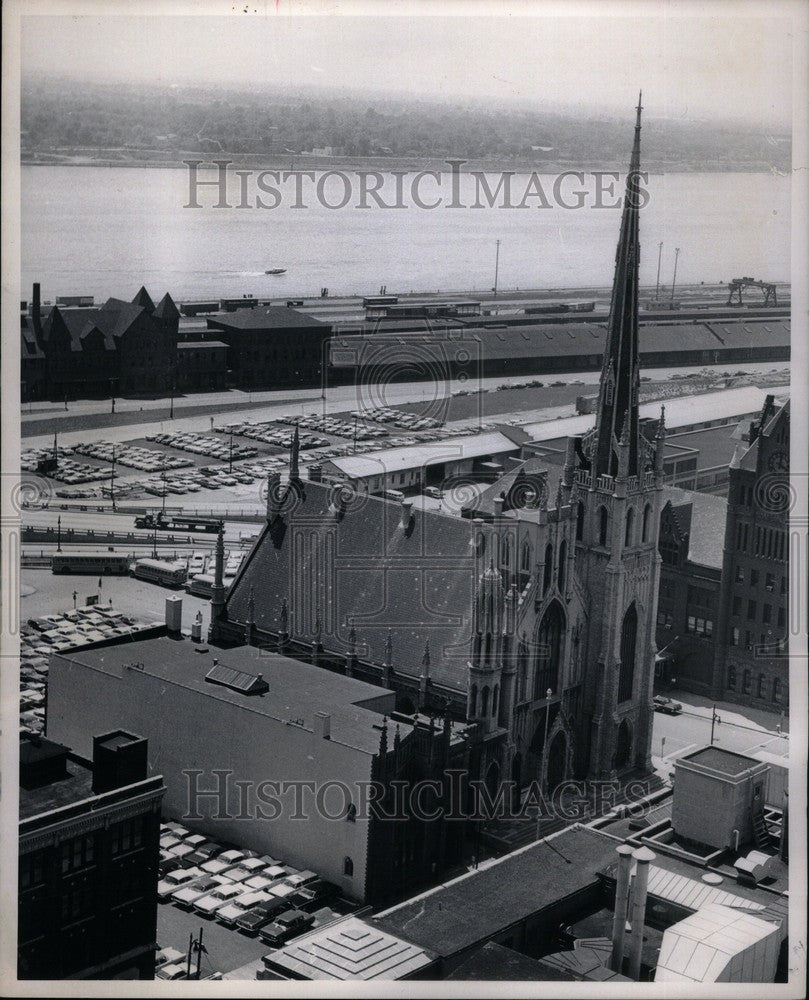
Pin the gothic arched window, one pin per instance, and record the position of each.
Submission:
(647, 517)
(630, 523)
(495, 700)
(484, 702)
(474, 700)
(562, 574)
(549, 651)
(525, 558)
(348, 867)
(548, 570)
(629, 633)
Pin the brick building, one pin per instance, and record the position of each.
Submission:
(88, 854)
(271, 346)
(692, 527)
(751, 665)
(120, 348)
(202, 365)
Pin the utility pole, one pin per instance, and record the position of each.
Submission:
(59, 533)
(112, 479)
(674, 279)
(188, 962)
(714, 719)
(200, 948)
(496, 266)
(230, 457)
(659, 260)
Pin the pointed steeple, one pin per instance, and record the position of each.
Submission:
(620, 372)
(218, 588)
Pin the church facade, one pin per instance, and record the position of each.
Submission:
(536, 626)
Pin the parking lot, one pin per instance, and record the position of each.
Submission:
(241, 904)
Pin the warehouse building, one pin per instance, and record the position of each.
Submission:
(274, 719)
(271, 346)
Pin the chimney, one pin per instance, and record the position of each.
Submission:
(499, 503)
(119, 759)
(624, 852)
(640, 885)
(36, 313)
(316, 473)
(323, 725)
(405, 513)
(174, 615)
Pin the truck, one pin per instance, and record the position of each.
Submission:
(177, 522)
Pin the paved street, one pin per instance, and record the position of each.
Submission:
(743, 730)
(227, 949)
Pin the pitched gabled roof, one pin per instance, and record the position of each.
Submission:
(521, 486)
(143, 299)
(166, 309)
(418, 581)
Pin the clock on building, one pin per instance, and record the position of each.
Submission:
(778, 462)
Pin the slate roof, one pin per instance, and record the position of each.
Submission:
(702, 517)
(265, 318)
(475, 907)
(416, 581)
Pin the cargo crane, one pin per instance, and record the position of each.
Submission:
(737, 284)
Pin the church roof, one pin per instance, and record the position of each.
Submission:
(142, 298)
(701, 517)
(365, 568)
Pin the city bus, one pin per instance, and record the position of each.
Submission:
(168, 574)
(201, 585)
(91, 563)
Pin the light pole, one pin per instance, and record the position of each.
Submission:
(496, 266)
(674, 279)
(75, 595)
(59, 533)
(230, 456)
(659, 259)
(112, 479)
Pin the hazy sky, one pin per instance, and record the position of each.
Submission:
(728, 67)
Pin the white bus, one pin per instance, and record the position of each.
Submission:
(168, 574)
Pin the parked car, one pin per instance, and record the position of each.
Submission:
(239, 906)
(172, 971)
(187, 895)
(433, 491)
(208, 905)
(666, 705)
(300, 879)
(287, 925)
(168, 956)
(173, 880)
(259, 916)
(205, 852)
(314, 894)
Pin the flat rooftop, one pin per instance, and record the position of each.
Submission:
(75, 786)
(296, 690)
(723, 761)
(475, 907)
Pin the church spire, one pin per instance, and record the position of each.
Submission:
(620, 372)
(294, 453)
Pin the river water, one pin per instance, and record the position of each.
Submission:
(105, 231)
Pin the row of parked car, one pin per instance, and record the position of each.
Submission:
(268, 433)
(39, 637)
(202, 444)
(398, 418)
(145, 459)
(255, 894)
(337, 427)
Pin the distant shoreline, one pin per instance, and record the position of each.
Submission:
(381, 164)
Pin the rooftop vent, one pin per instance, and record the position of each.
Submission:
(236, 680)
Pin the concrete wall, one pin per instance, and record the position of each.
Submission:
(709, 808)
(189, 729)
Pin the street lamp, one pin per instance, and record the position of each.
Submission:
(75, 595)
(59, 533)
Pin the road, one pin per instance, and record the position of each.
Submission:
(269, 405)
(226, 949)
(741, 729)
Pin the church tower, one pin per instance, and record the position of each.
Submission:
(618, 480)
